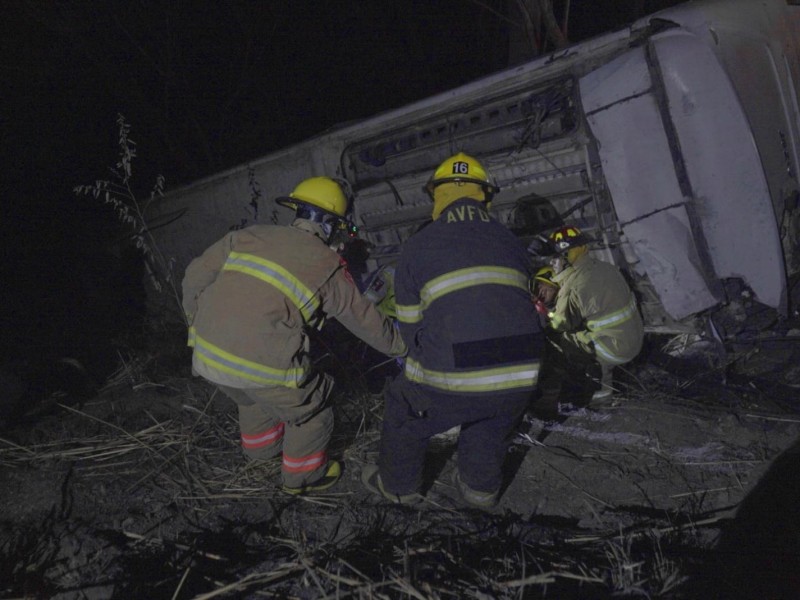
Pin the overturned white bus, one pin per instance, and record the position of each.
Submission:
(674, 143)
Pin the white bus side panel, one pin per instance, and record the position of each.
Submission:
(729, 188)
(637, 162)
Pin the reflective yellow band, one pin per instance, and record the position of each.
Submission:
(484, 380)
(556, 322)
(607, 355)
(614, 318)
(459, 280)
(272, 273)
(225, 362)
(408, 313)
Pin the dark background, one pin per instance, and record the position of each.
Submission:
(205, 86)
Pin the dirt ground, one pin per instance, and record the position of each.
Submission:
(685, 486)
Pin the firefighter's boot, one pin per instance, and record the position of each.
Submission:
(371, 478)
(474, 497)
(606, 384)
(545, 407)
(328, 480)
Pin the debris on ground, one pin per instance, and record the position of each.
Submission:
(142, 492)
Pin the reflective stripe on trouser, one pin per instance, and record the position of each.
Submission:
(415, 413)
(265, 443)
(606, 355)
(307, 426)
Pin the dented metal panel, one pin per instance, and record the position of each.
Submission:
(685, 174)
(730, 194)
(624, 115)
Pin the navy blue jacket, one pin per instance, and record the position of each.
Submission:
(464, 305)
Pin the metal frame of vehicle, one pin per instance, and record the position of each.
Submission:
(675, 143)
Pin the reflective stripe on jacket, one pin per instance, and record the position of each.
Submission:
(464, 306)
(253, 296)
(486, 380)
(459, 280)
(213, 357)
(272, 273)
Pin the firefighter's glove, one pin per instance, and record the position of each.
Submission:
(584, 337)
(556, 322)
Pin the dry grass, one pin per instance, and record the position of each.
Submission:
(220, 527)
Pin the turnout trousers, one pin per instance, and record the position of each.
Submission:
(415, 413)
(296, 422)
(571, 369)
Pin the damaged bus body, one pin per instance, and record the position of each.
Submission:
(674, 143)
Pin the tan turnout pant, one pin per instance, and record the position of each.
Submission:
(295, 422)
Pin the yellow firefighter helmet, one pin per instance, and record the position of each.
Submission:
(463, 168)
(320, 192)
(545, 275)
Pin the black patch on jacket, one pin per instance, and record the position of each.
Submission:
(498, 351)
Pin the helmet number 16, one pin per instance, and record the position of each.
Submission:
(460, 168)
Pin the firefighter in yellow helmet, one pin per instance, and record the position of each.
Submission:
(595, 325)
(465, 178)
(463, 306)
(470, 180)
(251, 300)
(544, 291)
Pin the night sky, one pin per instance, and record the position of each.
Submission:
(205, 86)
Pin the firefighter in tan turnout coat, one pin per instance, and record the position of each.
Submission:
(595, 322)
(252, 299)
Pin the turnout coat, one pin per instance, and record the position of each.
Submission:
(253, 297)
(595, 308)
(464, 306)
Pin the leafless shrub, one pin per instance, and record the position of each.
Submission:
(119, 193)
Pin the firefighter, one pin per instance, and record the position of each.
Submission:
(253, 299)
(544, 291)
(596, 323)
(463, 307)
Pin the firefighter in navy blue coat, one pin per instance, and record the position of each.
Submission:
(474, 339)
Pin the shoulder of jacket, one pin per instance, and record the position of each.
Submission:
(257, 231)
(602, 265)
